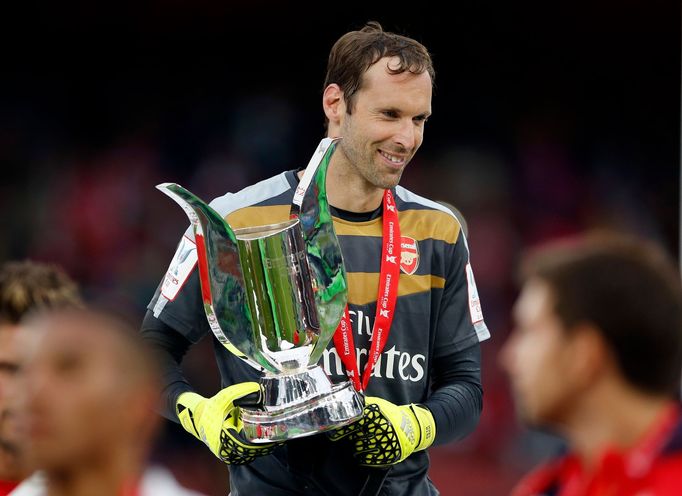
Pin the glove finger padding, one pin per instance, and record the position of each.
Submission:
(376, 441)
(344, 432)
(217, 422)
(235, 449)
(388, 433)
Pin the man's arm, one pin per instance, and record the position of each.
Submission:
(212, 420)
(457, 398)
(171, 347)
(174, 322)
(388, 433)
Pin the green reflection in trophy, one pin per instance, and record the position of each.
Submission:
(274, 295)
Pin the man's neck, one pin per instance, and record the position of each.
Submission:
(356, 216)
(348, 201)
(347, 189)
(612, 418)
(104, 479)
(10, 467)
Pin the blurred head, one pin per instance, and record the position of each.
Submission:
(25, 287)
(90, 390)
(377, 96)
(601, 306)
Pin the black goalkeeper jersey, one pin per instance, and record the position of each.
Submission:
(437, 318)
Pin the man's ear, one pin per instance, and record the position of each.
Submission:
(333, 104)
(592, 353)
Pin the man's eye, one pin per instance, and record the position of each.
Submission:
(9, 368)
(390, 114)
(68, 364)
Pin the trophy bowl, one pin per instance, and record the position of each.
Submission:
(274, 295)
(299, 399)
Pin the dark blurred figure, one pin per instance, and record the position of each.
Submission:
(25, 287)
(89, 394)
(597, 355)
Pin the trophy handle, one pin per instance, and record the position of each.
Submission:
(221, 277)
(322, 248)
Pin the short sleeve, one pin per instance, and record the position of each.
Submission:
(460, 321)
(177, 301)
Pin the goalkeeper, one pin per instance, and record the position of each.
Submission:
(423, 381)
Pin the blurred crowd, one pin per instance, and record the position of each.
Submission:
(86, 201)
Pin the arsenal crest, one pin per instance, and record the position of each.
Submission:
(409, 255)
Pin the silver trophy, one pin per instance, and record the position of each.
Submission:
(274, 295)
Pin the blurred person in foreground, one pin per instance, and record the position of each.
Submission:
(597, 355)
(25, 287)
(425, 385)
(89, 394)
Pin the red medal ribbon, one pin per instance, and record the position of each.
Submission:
(386, 299)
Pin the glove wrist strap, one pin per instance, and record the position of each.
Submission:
(427, 426)
(184, 408)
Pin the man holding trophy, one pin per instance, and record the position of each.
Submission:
(344, 307)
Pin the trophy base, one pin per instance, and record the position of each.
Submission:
(335, 406)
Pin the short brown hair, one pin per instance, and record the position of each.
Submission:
(630, 290)
(26, 286)
(357, 51)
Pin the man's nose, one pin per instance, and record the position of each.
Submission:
(406, 135)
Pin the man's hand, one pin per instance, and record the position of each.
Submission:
(217, 422)
(388, 433)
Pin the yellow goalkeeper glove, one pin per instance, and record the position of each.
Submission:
(387, 433)
(217, 422)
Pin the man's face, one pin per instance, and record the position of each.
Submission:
(386, 126)
(75, 403)
(538, 357)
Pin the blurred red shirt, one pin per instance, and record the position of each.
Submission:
(653, 468)
(6, 487)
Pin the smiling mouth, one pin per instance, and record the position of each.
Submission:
(394, 160)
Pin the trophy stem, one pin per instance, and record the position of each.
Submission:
(301, 404)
